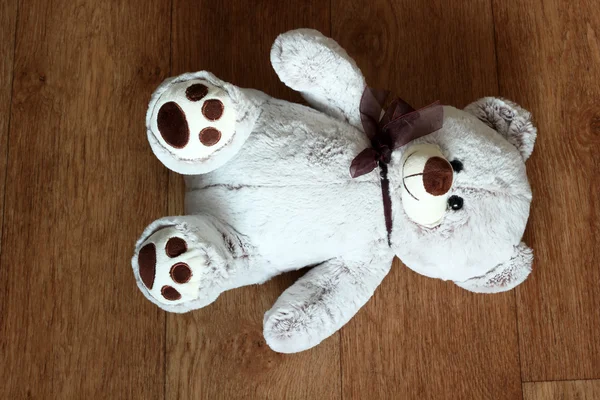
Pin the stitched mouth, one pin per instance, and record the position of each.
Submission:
(404, 177)
(406, 160)
(408, 191)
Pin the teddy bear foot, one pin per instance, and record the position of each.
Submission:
(193, 125)
(193, 119)
(169, 267)
(179, 267)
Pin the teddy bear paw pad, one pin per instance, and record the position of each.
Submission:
(169, 268)
(193, 119)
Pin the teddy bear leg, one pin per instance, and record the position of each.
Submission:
(321, 302)
(321, 70)
(183, 263)
(197, 122)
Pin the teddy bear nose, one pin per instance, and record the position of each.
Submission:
(437, 176)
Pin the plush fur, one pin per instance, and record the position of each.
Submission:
(275, 195)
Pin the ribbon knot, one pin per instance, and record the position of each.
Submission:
(385, 154)
(387, 131)
(399, 125)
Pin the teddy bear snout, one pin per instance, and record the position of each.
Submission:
(426, 182)
(437, 176)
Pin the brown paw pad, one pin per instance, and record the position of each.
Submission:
(181, 273)
(173, 125)
(175, 247)
(147, 264)
(170, 293)
(210, 136)
(196, 92)
(213, 109)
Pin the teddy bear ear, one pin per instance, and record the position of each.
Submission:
(505, 276)
(508, 119)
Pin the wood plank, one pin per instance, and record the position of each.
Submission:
(8, 17)
(421, 338)
(82, 184)
(549, 61)
(562, 390)
(219, 352)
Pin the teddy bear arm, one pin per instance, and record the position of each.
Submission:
(321, 302)
(322, 71)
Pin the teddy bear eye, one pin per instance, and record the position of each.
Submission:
(457, 165)
(455, 202)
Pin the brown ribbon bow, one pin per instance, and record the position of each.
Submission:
(399, 125)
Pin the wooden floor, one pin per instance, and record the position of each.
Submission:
(78, 183)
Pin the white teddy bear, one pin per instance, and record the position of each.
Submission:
(269, 190)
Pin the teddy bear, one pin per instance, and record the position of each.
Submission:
(274, 186)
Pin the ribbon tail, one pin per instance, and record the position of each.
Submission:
(363, 163)
(387, 204)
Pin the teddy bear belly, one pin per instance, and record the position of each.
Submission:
(295, 226)
(289, 189)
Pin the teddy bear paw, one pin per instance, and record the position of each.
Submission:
(170, 266)
(193, 119)
(286, 331)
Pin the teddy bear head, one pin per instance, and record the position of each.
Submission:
(460, 197)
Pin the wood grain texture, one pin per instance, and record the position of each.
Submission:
(549, 61)
(420, 338)
(81, 184)
(219, 352)
(562, 390)
(8, 17)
